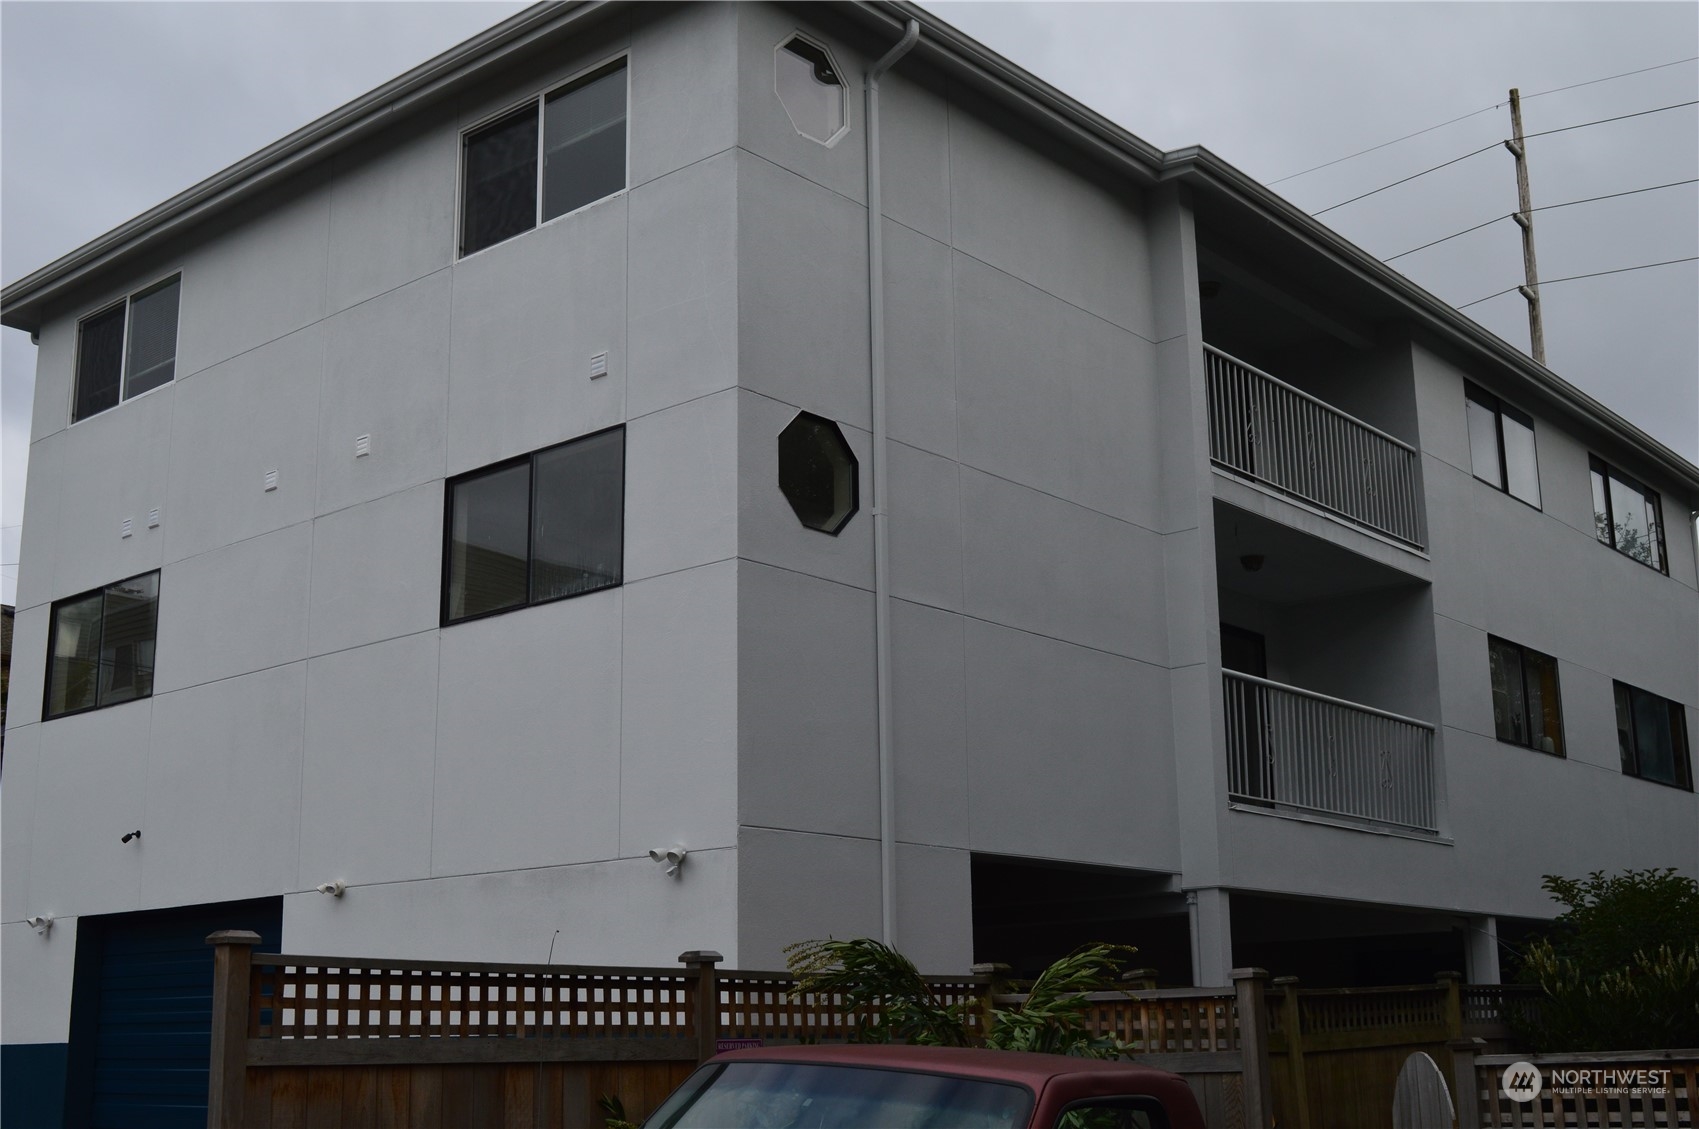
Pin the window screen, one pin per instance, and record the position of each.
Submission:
(126, 349)
(501, 181)
(584, 144)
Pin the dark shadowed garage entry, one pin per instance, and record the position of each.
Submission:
(141, 1012)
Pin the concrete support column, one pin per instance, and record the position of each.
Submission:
(1482, 951)
(1212, 937)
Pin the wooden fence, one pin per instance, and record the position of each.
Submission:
(1335, 1053)
(339, 1041)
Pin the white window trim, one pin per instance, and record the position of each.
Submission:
(843, 84)
(124, 299)
(538, 100)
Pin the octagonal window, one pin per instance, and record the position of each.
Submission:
(817, 472)
(809, 88)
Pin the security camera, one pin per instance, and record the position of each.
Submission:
(671, 857)
(128, 835)
(334, 889)
(41, 923)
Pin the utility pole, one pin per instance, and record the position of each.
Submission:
(1524, 218)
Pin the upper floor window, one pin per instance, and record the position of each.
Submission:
(100, 646)
(555, 154)
(126, 348)
(810, 89)
(537, 528)
(1627, 516)
(1651, 733)
(1501, 446)
(1526, 707)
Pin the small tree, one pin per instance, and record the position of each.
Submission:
(895, 1004)
(1620, 970)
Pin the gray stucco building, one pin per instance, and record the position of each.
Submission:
(488, 485)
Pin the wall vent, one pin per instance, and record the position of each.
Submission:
(362, 446)
(271, 480)
(153, 518)
(126, 527)
(598, 365)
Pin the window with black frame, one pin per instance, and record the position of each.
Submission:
(1527, 709)
(538, 528)
(560, 151)
(1627, 516)
(1501, 446)
(1651, 733)
(128, 348)
(101, 647)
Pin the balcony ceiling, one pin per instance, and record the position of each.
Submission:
(1296, 567)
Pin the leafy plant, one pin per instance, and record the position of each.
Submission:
(889, 1001)
(1620, 970)
(613, 1112)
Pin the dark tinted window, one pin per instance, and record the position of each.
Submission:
(584, 143)
(101, 646)
(501, 181)
(1526, 707)
(1652, 737)
(487, 542)
(100, 361)
(541, 528)
(818, 473)
(577, 516)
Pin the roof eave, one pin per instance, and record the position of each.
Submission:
(22, 303)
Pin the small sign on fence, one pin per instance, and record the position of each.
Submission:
(723, 1045)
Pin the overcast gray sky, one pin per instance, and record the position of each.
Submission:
(107, 109)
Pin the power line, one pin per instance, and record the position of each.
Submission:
(1608, 78)
(1474, 113)
(1495, 145)
(1383, 145)
(1618, 118)
(1541, 208)
(1406, 180)
(1573, 277)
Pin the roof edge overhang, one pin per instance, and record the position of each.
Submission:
(22, 303)
(959, 55)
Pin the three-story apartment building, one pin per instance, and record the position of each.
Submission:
(937, 515)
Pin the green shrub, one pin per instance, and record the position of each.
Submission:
(1620, 970)
(889, 1001)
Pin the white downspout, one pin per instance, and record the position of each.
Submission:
(881, 546)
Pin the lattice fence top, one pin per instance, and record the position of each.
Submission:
(327, 997)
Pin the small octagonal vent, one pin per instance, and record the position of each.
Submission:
(818, 473)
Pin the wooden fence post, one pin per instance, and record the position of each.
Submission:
(232, 961)
(987, 977)
(702, 962)
(1292, 1027)
(1250, 986)
(1452, 982)
(1465, 1087)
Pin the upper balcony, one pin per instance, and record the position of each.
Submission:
(1286, 439)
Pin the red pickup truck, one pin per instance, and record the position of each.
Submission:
(902, 1087)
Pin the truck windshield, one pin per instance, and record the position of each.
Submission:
(783, 1095)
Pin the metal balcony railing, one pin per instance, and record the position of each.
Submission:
(1294, 748)
(1267, 430)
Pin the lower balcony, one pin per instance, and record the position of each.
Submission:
(1294, 749)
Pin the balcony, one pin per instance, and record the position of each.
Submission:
(1266, 430)
(1295, 749)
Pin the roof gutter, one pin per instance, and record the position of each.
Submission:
(22, 303)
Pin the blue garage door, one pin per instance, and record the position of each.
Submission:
(145, 1004)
